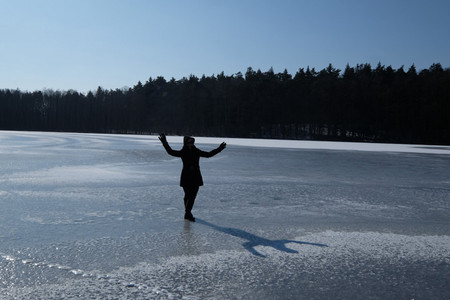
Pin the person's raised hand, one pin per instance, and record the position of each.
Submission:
(162, 138)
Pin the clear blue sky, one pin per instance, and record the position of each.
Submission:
(83, 44)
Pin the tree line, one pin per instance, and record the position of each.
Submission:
(360, 103)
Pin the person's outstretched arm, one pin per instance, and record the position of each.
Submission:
(170, 151)
(213, 152)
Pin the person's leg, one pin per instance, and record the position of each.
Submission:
(191, 199)
(190, 193)
(186, 192)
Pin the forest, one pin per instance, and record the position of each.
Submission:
(360, 103)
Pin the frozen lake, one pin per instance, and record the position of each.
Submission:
(87, 216)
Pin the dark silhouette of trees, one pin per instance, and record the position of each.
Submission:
(357, 104)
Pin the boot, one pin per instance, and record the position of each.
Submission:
(189, 216)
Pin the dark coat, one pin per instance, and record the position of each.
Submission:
(191, 175)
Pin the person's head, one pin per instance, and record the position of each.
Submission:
(188, 141)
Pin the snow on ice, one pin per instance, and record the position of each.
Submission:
(101, 216)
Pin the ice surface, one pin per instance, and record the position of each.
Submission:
(89, 216)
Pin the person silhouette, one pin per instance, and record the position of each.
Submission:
(191, 177)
